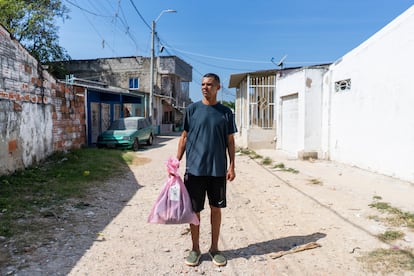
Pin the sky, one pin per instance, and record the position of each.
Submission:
(225, 37)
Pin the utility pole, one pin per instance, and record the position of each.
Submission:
(151, 96)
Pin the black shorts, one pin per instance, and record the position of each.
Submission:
(199, 186)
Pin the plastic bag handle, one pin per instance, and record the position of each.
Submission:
(172, 165)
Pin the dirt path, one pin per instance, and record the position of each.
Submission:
(269, 211)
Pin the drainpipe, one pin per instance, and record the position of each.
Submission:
(248, 102)
(328, 144)
(86, 116)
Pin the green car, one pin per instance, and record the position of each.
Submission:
(127, 133)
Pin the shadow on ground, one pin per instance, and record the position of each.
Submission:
(65, 232)
(160, 141)
(272, 246)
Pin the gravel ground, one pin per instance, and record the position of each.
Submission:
(269, 211)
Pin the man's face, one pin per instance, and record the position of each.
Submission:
(209, 87)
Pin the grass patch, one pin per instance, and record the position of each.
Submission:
(315, 181)
(267, 161)
(255, 156)
(252, 154)
(279, 166)
(390, 235)
(282, 167)
(244, 151)
(292, 170)
(389, 260)
(396, 217)
(62, 176)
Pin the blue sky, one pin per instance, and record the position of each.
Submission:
(225, 37)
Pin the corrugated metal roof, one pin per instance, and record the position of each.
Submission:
(236, 79)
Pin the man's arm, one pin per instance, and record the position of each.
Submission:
(181, 145)
(231, 149)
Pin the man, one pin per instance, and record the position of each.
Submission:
(207, 138)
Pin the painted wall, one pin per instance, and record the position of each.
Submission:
(306, 83)
(37, 115)
(371, 124)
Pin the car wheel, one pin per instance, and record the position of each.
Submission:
(150, 140)
(135, 145)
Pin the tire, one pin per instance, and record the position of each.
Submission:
(150, 140)
(135, 145)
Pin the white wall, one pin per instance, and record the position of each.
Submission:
(307, 83)
(372, 125)
(313, 111)
(289, 84)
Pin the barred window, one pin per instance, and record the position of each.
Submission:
(261, 93)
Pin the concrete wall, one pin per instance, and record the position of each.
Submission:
(113, 71)
(371, 125)
(307, 84)
(37, 115)
(313, 110)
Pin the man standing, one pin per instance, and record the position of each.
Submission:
(207, 138)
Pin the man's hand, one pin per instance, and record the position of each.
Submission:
(231, 175)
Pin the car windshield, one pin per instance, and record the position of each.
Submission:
(123, 124)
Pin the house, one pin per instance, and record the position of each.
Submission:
(356, 111)
(103, 104)
(255, 108)
(171, 84)
(299, 111)
(368, 103)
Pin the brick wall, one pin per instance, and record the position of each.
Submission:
(38, 115)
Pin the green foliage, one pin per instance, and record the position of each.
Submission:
(397, 216)
(267, 161)
(230, 105)
(389, 261)
(32, 23)
(391, 235)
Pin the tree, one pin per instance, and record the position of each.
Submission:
(32, 23)
(230, 105)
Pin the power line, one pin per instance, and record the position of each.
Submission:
(87, 11)
(139, 14)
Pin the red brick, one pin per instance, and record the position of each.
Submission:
(12, 146)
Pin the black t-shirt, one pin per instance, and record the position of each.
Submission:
(208, 127)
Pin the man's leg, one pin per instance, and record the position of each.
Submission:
(215, 220)
(193, 258)
(195, 235)
(216, 256)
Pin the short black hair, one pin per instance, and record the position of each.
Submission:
(214, 76)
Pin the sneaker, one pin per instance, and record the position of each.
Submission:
(218, 258)
(193, 258)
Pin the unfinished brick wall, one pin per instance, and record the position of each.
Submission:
(38, 115)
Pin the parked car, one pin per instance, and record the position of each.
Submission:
(127, 133)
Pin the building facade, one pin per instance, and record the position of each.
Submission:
(171, 83)
(356, 111)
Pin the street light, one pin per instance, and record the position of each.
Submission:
(151, 108)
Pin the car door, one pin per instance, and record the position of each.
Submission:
(142, 130)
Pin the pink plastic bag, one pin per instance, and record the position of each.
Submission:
(173, 205)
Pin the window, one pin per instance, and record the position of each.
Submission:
(133, 83)
(343, 85)
(261, 93)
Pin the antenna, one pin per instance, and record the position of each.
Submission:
(280, 63)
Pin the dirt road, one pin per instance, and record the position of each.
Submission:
(269, 211)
